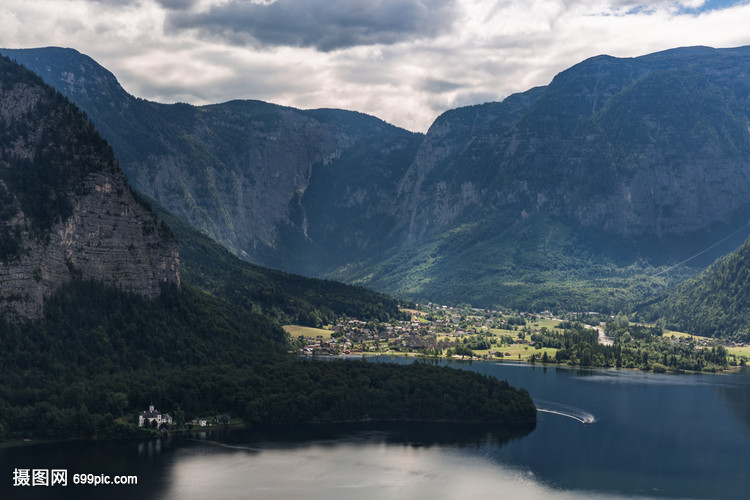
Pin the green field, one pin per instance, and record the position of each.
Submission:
(739, 351)
(670, 333)
(514, 350)
(548, 323)
(295, 331)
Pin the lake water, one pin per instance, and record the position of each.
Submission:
(650, 436)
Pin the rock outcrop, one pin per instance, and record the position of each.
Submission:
(66, 210)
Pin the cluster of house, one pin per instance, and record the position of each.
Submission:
(148, 417)
(700, 343)
(354, 336)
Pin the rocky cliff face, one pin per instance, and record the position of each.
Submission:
(66, 209)
(655, 145)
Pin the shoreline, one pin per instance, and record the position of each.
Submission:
(522, 362)
(181, 433)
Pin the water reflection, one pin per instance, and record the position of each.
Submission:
(355, 462)
(108, 457)
(423, 434)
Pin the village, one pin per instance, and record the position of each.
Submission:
(465, 333)
(438, 331)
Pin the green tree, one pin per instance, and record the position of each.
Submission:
(179, 416)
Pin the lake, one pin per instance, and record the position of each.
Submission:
(647, 436)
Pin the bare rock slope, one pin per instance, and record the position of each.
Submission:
(66, 209)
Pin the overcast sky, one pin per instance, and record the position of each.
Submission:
(405, 61)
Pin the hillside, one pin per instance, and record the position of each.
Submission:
(284, 297)
(716, 303)
(572, 195)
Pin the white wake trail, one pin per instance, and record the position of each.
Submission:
(578, 414)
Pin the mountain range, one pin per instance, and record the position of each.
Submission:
(68, 213)
(584, 192)
(573, 195)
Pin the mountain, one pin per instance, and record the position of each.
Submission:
(239, 171)
(630, 147)
(572, 195)
(713, 304)
(66, 210)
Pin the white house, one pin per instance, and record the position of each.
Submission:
(146, 417)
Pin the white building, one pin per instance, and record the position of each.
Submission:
(146, 417)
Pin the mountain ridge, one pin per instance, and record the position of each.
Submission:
(568, 131)
(578, 189)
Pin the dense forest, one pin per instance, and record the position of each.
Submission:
(99, 355)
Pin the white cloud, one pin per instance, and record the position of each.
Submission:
(477, 51)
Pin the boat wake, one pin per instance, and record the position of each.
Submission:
(565, 411)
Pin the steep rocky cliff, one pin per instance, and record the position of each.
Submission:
(66, 209)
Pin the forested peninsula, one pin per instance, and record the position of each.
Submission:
(99, 354)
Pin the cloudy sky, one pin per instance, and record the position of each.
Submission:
(404, 61)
